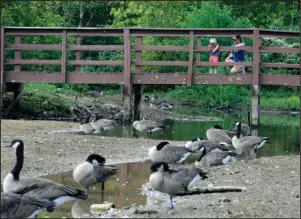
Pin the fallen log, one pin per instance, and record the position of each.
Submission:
(220, 189)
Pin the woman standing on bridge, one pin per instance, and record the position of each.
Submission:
(237, 55)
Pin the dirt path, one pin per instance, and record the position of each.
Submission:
(273, 184)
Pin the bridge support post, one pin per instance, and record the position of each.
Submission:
(255, 108)
(255, 90)
(127, 85)
(137, 100)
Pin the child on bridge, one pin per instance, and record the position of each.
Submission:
(214, 55)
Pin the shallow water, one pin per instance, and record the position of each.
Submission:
(122, 190)
(283, 130)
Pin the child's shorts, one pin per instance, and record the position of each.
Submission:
(213, 59)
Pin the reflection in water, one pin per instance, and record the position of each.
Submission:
(123, 190)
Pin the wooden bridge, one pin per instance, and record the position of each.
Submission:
(132, 78)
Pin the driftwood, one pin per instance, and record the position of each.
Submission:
(220, 189)
(83, 113)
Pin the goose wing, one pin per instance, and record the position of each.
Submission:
(104, 172)
(231, 134)
(215, 157)
(151, 124)
(17, 206)
(47, 189)
(251, 141)
(218, 135)
(211, 145)
(173, 153)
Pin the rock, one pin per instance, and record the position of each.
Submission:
(101, 208)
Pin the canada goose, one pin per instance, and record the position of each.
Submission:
(247, 143)
(214, 157)
(88, 174)
(217, 135)
(166, 180)
(156, 100)
(171, 154)
(197, 143)
(86, 128)
(18, 206)
(94, 93)
(46, 189)
(102, 124)
(245, 129)
(147, 126)
(166, 106)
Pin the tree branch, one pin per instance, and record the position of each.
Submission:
(220, 189)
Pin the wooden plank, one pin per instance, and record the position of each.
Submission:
(279, 65)
(159, 78)
(73, 78)
(221, 48)
(279, 50)
(64, 57)
(32, 47)
(78, 53)
(90, 62)
(222, 63)
(277, 33)
(159, 48)
(162, 63)
(95, 47)
(190, 62)
(33, 62)
(278, 79)
(88, 78)
(22, 77)
(87, 34)
(171, 78)
(17, 53)
(198, 54)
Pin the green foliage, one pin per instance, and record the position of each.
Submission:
(44, 97)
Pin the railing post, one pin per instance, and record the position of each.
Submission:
(255, 80)
(127, 89)
(64, 57)
(2, 37)
(138, 87)
(17, 68)
(190, 65)
(78, 53)
(198, 54)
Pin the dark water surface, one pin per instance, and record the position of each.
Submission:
(283, 130)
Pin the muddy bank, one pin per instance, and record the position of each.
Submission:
(66, 149)
(272, 190)
(272, 184)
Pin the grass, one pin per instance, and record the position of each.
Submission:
(47, 97)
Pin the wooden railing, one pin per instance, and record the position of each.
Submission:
(132, 78)
(138, 76)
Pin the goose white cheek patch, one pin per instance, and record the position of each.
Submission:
(15, 145)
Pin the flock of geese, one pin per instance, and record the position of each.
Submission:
(26, 197)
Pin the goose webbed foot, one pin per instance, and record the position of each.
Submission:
(87, 191)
